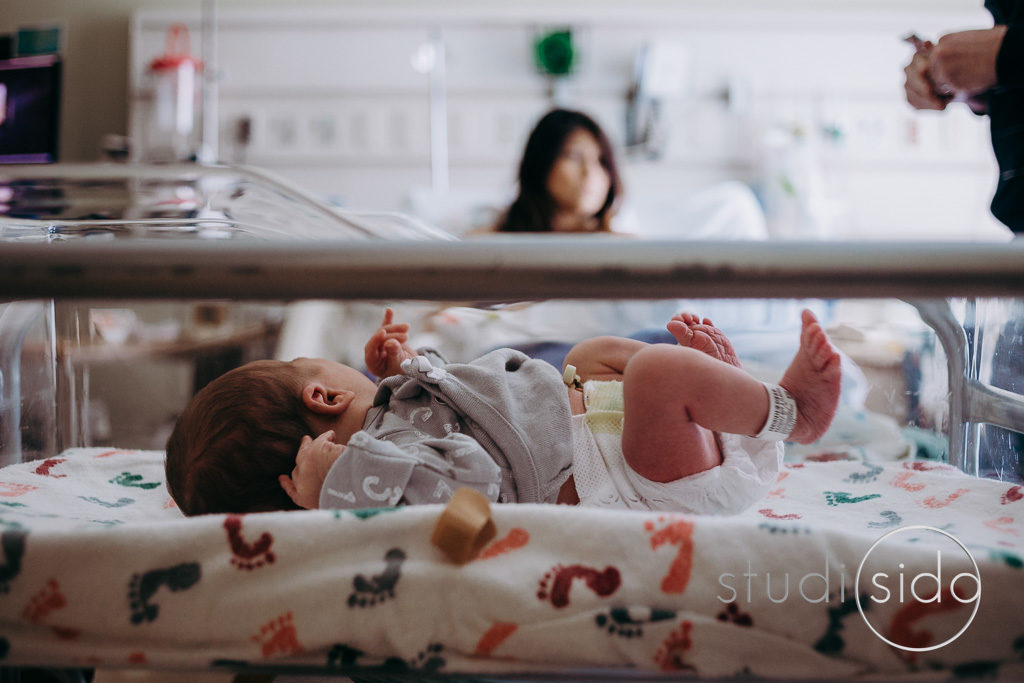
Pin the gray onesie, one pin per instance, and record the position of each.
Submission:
(499, 424)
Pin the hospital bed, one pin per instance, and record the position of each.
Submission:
(101, 571)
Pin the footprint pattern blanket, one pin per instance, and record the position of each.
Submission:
(99, 569)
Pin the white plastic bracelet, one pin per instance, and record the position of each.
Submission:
(781, 414)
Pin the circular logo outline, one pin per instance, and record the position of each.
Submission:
(977, 601)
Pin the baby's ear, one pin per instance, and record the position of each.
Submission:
(319, 399)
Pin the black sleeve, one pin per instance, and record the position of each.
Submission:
(1010, 61)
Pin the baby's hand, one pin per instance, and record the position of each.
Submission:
(312, 463)
(387, 348)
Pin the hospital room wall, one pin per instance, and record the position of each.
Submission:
(95, 47)
(786, 65)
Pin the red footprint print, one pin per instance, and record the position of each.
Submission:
(671, 655)
(828, 457)
(779, 492)
(47, 465)
(678, 532)
(495, 636)
(920, 466)
(1012, 495)
(771, 514)
(1001, 524)
(902, 627)
(278, 637)
(934, 503)
(515, 539)
(44, 602)
(557, 582)
(901, 481)
(248, 556)
(14, 490)
(64, 633)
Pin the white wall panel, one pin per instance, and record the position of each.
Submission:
(332, 96)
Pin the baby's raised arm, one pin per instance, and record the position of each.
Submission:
(387, 347)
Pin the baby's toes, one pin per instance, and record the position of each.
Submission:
(681, 331)
(686, 318)
(703, 342)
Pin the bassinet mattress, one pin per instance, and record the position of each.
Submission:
(99, 569)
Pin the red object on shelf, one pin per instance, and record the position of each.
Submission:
(177, 51)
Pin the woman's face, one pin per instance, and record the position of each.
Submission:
(578, 183)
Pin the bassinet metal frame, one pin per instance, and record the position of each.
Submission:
(525, 268)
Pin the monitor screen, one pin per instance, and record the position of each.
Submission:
(29, 109)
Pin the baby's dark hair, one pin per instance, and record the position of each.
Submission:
(234, 439)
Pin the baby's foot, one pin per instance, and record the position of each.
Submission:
(813, 379)
(689, 330)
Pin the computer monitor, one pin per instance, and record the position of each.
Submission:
(29, 109)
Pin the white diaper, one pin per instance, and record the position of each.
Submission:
(749, 469)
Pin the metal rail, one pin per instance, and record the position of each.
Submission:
(502, 269)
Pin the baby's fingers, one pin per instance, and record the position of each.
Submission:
(289, 487)
(378, 337)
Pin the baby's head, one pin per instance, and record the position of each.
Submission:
(242, 431)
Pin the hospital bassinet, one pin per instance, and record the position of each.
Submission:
(101, 571)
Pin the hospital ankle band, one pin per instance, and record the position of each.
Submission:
(781, 414)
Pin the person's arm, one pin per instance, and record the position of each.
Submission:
(1010, 60)
(408, 467)
(377, 472)
(387, 347)
(965, 61)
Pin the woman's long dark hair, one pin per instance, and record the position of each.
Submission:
(533, 209)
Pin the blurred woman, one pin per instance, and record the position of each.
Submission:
(568, 181)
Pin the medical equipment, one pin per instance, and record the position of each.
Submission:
(175, 81)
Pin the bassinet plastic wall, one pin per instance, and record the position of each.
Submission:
(27, 381)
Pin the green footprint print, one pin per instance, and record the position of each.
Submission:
(135, 480)
(835, 498)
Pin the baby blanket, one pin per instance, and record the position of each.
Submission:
(99, 569)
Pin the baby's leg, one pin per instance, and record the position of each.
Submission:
(671, 391)
(603, 358)
(673, 396)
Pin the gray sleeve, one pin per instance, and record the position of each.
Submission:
(436, 359)
(377, 473)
